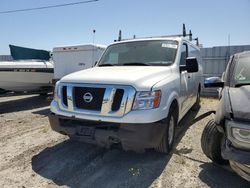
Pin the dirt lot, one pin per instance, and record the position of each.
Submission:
(32, 155)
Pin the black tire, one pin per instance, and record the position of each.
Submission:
(196, 105)
(211, 140)
(165, 146)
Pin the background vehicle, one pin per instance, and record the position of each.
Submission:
(68, 59)
(227, 137)
(135, 96)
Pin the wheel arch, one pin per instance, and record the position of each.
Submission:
(173, 100)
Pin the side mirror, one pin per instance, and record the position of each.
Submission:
(213, 82)
(191, 65)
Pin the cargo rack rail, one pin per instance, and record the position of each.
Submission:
(184, 34)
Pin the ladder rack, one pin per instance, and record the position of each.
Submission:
(184, 34)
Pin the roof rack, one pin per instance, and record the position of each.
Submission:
(184, 34)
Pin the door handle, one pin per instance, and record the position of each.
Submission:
(189, 76)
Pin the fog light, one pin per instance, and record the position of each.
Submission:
(242, 135)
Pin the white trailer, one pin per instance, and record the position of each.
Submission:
(68, 59)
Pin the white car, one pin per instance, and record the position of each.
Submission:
(135, 96)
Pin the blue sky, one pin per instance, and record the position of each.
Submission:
(212, 21)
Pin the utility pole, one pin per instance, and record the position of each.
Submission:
(93, 50)
(229, 50)
(94, 36)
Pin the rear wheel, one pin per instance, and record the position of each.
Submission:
(211, 140)
(167, 141)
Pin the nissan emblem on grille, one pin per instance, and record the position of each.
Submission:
(87, 97)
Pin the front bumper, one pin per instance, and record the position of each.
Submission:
(130, 136)
(229, 152)
(239, 159)
(241, 169)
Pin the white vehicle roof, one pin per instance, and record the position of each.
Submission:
(84, 47)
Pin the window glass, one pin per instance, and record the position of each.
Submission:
(183, 55)
(160, 52)
(113, 58)
(192, 52)
(242, 71)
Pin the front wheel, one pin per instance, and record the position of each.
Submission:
(167, 141)
(211, 140)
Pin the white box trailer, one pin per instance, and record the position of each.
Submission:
(68, 59)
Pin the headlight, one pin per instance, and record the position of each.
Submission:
(239, 134)
(145, 100)
(56, 91)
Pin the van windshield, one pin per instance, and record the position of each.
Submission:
(149, 53)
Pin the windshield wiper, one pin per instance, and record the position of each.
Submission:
(241, 84)
(105, 65)
(136, 63)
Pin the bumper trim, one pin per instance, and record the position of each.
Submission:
(241, 169)
(229, 152)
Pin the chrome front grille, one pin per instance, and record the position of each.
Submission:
(94, 98)
(116, 100)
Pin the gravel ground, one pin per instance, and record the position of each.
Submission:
(32, 155)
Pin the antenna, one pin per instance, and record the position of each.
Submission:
(184, 30)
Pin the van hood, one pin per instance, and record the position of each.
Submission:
(142, 78)
(240, 102)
